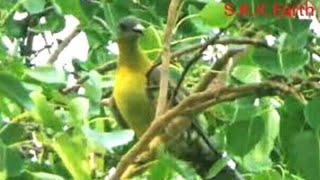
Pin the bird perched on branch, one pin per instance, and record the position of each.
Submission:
(133, 106)
(134, 103)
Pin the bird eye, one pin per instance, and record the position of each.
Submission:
(123, 26)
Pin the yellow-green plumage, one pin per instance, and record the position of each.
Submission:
(130, 90)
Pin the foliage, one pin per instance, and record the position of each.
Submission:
(50, 132)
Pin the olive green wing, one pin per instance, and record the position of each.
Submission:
(115, 110)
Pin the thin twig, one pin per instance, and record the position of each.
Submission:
(194, 59)
(224, 41)
(54, 56)
(46, 42)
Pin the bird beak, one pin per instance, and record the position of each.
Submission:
(138, 28)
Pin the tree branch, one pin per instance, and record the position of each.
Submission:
(220, 63)
(224, 41)
(166, 56)
(54, 56)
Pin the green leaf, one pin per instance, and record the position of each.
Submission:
(73, 155)
(34, 6)
(292, 121)
(47, 75)
(292, 26)
(286, 62)
(151, 43)
(247, 74)
(45, 113)
(242, 136)
(15, 28)
(109, 140)
(258, 159)
(303, 155)
(71, 7)
(93, 87)
(12, 133)
(79, 109)
(214, 15)
(168, 167)
(312, 114)
(240, 110)
(11, 163)
(13, 89)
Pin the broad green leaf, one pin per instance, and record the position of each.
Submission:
(312, 114)
(247, 74)
(47, 75)
(240, 110)
(286, 62)
(73, 155)
(13, 89)
(14, 162)
(12, 133)
(214, 15)
(267, 60)
(93, 87)
(292, 26)
(45, 113)
(34, 6)
(168, 167)
(11, 162)
(242, 136)
(15, 28)
(79, 109)
(303, 155)
(245, 58)
(258, 159)
(109, 140)
(71, 7)
(292, 121)
(151, 43)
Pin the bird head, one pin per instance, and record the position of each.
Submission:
(130, 29)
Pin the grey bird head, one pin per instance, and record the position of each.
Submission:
(130, 28)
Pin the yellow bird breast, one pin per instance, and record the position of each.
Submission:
(132, 100)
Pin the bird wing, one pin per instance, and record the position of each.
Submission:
(117, 114)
